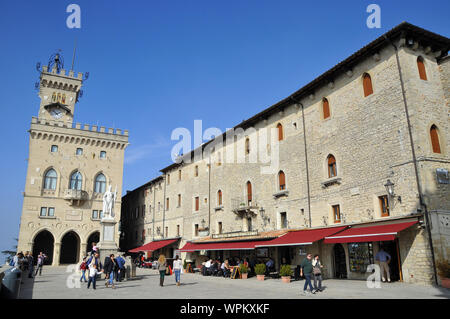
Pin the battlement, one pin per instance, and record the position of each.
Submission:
(63, 73)
(81, 127)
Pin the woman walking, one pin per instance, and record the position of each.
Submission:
(177, 266)
(317, 272)
(162, 269)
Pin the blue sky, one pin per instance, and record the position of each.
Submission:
(158, 65)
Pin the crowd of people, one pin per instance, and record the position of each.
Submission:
(113, 267)
(26, 263)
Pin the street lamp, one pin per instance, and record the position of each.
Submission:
(389, 188)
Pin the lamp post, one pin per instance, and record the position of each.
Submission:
(391, 195)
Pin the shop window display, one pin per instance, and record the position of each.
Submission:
(360, 256)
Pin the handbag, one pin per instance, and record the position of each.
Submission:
(316, 269)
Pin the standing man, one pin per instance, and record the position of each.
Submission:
(40, 263)
(306, 268)
(384, 259)
(121, 270)
(30, 264)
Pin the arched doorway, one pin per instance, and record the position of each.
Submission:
(93, 238)
(44, 242)
(340, 264)
(70, 247)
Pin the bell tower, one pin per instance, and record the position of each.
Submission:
(59, 90)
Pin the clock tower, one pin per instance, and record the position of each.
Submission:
(69, 168)
(58, 91)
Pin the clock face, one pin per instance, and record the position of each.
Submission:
(56, 113)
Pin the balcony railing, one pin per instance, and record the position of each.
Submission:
(77, 197)
(243, 205)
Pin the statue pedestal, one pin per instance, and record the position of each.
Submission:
(107, 244)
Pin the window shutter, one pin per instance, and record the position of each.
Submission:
(367, 84)
(326, 109)
(421, 67)
(435, 140)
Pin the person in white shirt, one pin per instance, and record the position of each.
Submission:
(177, 266)
(93, 272)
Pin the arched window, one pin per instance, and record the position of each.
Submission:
(219, 197)
(421, 67)
(325, 108)
(76, 181)
(63, 101)
(367, 84)
(435, 139)
(100, 183)
(282, 180)
(280, 131)
(249, 193)
(332, 172)
(247, 146)
(50, 179)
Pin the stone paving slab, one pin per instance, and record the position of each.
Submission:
(53, 285)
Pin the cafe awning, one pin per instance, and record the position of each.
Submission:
(301, 237)
(237, 245)
(368, 233)
(153, 245)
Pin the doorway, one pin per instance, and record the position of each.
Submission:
(394, 266)
(70, 244)
(44, 242)
(340, 264)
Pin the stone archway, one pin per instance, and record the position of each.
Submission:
(93, 238)
(70, 247)
(44, 242)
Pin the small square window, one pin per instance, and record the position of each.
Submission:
(102, 154)
(51, 211)
(79, 151)
(54, 148)
(43, 211)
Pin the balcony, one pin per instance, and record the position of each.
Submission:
(76, 197)
(243, 207)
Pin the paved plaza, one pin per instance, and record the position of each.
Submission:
(54, 282)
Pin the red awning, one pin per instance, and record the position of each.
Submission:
(369, 233)
(301, 237)
(153, 245)
(237, 245)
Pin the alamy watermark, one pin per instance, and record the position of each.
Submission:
(235, 146)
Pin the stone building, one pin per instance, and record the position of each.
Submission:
(69, 168)
(362, 161)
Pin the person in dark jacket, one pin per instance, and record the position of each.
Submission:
(121, 268)
(110, 268)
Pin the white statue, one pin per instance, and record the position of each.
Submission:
(109, 198)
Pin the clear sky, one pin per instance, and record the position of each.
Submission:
(158, 65)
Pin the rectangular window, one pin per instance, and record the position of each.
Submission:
(179, 200)
(95, 214)
(167, 232)
(102, 154)
(168, 179)
(196, 230)
(79, 151)
(51, 211)
(43, 211)
(249, 224)
(179, 175)
(178, 230)
(197, 202)
(360, 256)
(143, 235)
(384, 205)
(336, 213)
(167, 203)
(219, 230)
(101, 214)
(196, 171)
(143, 211)
(54, 148)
